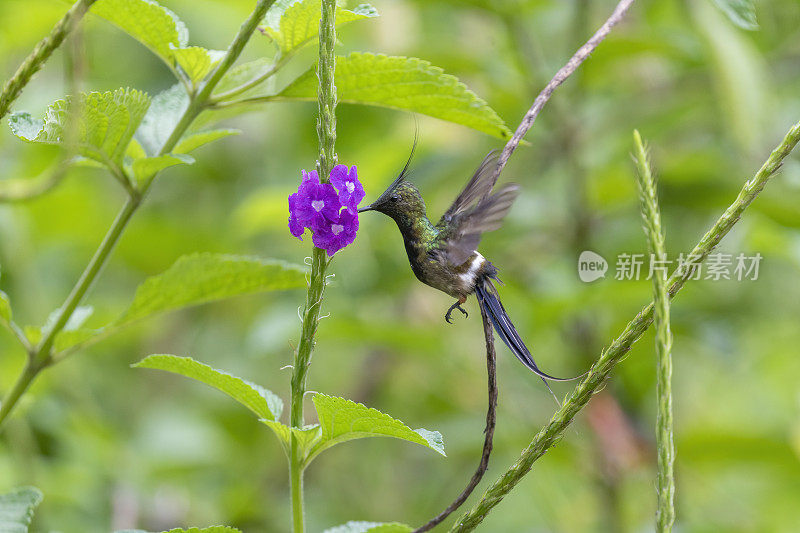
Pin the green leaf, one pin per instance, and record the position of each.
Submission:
(193, 141)
(33, 334)
(153, 25)
(405, 83)
(307, 437)
(196, 61)
(242, 74)
(165, 111)
(5, 309)
(147, 167)
(292, 25)
(370, 527)
(69, 338)
(341, 420)
(107, 123)
(200, 278)
(192, 280)
(16, 509)
(135, 150)
(740, 12)
(263, 403)
(24, 126)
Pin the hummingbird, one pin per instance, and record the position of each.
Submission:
(445, 255)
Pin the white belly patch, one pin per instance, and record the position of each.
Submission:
(468, 277)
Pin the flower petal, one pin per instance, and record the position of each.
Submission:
(338, 177)
(296, 228)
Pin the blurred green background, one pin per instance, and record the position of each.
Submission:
(114, 447)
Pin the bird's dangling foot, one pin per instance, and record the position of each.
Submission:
(456, 305)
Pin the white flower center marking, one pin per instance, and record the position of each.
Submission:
(350, 187)
(337, 229)
(318, 205)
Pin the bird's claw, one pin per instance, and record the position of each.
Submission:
(456, 305)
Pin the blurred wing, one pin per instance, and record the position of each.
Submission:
(479, 186)
(461, 236)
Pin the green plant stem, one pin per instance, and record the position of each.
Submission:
(21, 385)
(296, 486)
(275, 67)
(40, 54)
(41, 357)
(326, 131)
(87, 278)
(665, 479)
(593, 382)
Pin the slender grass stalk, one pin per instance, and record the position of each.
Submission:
(41, 53)
(41, 356)
(593, 382)
(665, 479)
(326, 131)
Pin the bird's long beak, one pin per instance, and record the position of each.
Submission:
(368, 208)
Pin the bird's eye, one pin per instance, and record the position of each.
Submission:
(394, 198)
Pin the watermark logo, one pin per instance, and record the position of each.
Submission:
(718, 266)
(591, 266)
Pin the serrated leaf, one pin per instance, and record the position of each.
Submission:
(165, 111)
(193, 141)
(152, 24)
(107, 123)
(5, 309)
(200, 278)
(405, 83)
(16, 509)
(370, 527)
(341, 420)
(293, 25)
(264, 403)
(740, 12)
(145, 168)
(196, 61)
(25, 126)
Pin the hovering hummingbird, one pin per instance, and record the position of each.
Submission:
(445, 255)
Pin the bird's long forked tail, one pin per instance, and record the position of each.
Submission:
(487, 298)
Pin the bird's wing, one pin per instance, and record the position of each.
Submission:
(461, 235)
(478, 187)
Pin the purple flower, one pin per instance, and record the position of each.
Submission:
(331, 216)
(316, 204)
(351, 192)
(296, 228)
(339, 234)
